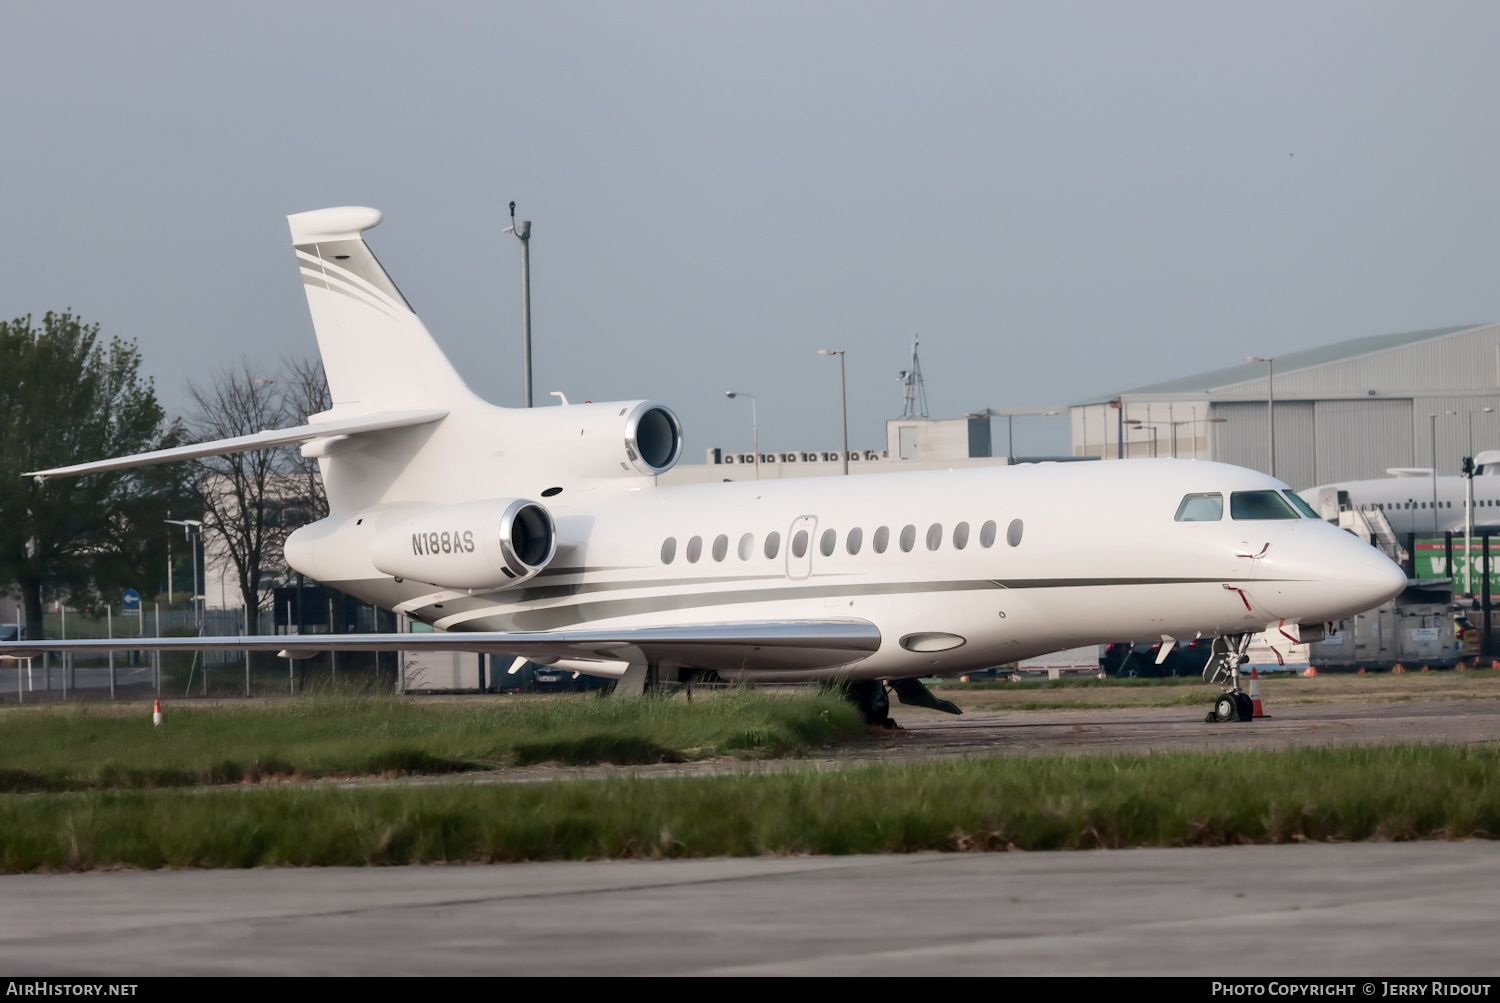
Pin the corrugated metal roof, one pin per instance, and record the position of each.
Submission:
(1289, 363)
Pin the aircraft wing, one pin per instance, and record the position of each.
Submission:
(785, 645)
(377, 422)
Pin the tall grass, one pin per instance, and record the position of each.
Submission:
(1045, 803)
(55, 748)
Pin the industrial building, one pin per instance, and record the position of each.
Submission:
(1346, 411)
(912, 443)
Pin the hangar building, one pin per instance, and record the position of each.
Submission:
(1346, 411)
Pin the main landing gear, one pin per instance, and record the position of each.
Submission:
(1224, 661)
(874, 702)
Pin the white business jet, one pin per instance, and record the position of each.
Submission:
(543, 533)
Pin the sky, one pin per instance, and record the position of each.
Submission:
(1064, 199)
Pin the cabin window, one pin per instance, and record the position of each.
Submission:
(799, 543)
(934, 536)
(854, 539)
(882, 539)
(826, 545)
(1260, 505)
(960, 536)
(1013, 532)
(669, 550)
(1205, 507)
(773, 545)
(987, 534)
(747, 546)
(1300, 504)
(908, 538)
(721, 547)
(694, 549)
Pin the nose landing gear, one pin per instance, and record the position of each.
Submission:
(1224, 661)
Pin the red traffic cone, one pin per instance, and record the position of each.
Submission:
(1255, 694)
(156, 714)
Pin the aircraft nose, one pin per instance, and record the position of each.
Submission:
(1323, 573)
(1358, 576)
(1375, 577)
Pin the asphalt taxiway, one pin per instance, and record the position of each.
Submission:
(1357, 910)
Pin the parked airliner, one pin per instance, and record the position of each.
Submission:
(1407, 498)
(543, 533)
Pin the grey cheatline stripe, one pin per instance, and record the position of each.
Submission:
(1069, 583)
(545, 592)
(569, 614)
(540, 592)
(553, 617)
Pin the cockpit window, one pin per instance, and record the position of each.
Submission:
(1207, 507)
(1300, 504)
(1260, 505)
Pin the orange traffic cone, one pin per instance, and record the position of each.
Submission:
(156, 713)
(1361, 671)
(1398, 669)
(1310, 672)
(1424, 668)
(1255, 694)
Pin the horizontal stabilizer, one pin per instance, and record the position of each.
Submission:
(377, 422)
(775, 645)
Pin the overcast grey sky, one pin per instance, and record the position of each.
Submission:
(1064, 198)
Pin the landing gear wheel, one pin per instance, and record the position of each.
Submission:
(1246, 706)
(874, 703)
(1226, 708)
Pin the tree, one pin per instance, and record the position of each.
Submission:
(252, 501)
(66, 398)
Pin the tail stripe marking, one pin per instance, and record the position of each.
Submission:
(332, 284)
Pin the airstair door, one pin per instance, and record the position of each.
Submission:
(799, 547)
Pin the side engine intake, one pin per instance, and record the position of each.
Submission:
(488, 544)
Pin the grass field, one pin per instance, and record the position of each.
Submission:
(1041, 803)
(57, 748)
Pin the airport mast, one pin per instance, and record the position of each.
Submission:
(914, 393)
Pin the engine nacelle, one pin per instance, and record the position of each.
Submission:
(608, 439)
(478, 545)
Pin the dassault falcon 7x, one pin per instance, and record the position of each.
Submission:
(543, 533)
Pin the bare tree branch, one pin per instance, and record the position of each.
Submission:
(242, 492)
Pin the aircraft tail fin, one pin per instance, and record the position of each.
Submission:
(376, 351)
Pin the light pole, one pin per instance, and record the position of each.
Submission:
(1432, 423)
(192, 528)
(1468, 472)
(1270, 404)
(754, 424)
(843, 400)
(1191, 421)
(521, 228)
(1149, 426)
